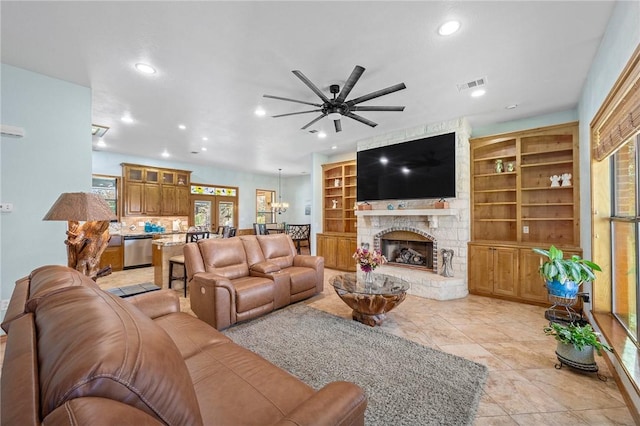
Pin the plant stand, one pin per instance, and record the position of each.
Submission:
(561, 311)
(578, 359)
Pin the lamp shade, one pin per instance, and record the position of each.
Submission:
(80, 206)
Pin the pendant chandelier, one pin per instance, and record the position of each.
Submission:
(279, 207)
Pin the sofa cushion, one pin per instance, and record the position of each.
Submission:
(189, 333)
(253, 292)
(224, 257)
(262, 393)
(91, 343)
(278, 249)
(302, 279)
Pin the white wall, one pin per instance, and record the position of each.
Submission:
(560, 117)
(53, 157)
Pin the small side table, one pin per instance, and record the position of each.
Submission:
(370, 302)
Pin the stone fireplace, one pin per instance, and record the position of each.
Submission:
(412, 233)
(408, 247)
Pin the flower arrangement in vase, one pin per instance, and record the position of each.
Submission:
(368, 261)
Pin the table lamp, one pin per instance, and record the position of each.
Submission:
(85, 241)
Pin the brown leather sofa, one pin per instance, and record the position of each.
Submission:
(236, 279)
(77, 355)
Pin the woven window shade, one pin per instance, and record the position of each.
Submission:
(619, 116)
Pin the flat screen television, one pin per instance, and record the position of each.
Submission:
(422, 168)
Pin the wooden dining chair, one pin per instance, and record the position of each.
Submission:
(191, 237)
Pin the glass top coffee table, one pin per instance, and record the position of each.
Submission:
(370, 301)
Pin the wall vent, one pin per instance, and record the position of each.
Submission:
(473, 84)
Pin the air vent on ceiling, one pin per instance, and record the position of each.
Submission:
(313, 131)
(98, 131)
(473, 84)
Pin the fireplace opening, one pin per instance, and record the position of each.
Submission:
(404, 248)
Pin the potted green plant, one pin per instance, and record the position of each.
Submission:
(576, 345)
(564, 276)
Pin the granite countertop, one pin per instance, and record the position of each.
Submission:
(170, 240)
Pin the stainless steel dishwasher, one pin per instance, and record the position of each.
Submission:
(137, 251)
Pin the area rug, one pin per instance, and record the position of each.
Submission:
(406, 383)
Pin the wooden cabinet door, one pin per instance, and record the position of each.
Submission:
(328, 248)
(531, 285)
(168, 200)
(480, 269)
(134, 198)
(346, 248)
(152, 198)
(182, 207)
(505, 271)
(112, 256)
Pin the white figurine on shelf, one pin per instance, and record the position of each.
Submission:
(566, 179)
(336, 183)
(335, 204)
(555, 180)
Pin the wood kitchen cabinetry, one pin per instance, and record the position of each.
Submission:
(154, 191)
(338, 241)
(113, 255)
(514, 207)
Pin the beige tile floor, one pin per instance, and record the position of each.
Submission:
(523, 387)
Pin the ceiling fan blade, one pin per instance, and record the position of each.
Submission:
(310, 85)
(337, 125)
(295, 113)
(361, 119)
(377, 94)
(313, 121)
(348, 85)
(291, 100)
(377, 108)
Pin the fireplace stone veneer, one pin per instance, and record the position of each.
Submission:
(448, 229)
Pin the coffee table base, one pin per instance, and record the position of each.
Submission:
(371, 320)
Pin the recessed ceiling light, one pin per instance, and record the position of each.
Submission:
(478, 93)
(165, 154)
(127, 119)
(334, 147)
(512, 106)
(145, 68)
(205, 138)
(449, 28)
(204, 148)
(384, 160)
(181, 126)
(322, 135)
(101, 143)
(260, 112)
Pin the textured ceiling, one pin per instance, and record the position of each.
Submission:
(215, 60)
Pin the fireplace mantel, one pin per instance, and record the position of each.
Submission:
(431, 214)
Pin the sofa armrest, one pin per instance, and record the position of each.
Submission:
(338, 403)
(213, 299)
(155, 304)
(307, 261)
(265, 267)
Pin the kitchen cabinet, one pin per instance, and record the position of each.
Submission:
(155, 191)
(113, 255)
(337, 250)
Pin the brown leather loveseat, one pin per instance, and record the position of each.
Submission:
(77, 355)
(236, 279)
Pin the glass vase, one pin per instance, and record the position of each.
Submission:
(368, 277)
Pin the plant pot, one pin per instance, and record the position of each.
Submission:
(580, 359)
(567, 290)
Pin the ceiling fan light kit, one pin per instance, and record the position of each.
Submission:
(339, 107)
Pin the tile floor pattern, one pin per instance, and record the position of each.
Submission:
(523, 387)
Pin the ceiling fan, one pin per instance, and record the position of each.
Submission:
(338, 107)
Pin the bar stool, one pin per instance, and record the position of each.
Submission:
(179, 260)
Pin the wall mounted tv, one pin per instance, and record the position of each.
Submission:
(422, 168)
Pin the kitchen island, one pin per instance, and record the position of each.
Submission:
(163, 249)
